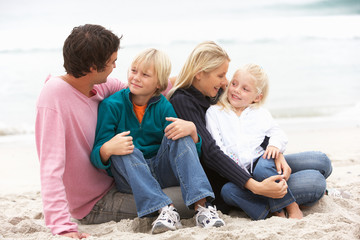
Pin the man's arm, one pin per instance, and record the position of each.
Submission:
(50, 142)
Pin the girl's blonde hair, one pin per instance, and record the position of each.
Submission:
(160, 61)
(261, 83)
(207, 56)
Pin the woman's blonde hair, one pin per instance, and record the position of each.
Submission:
(160, 61)
(261, 83)
(206, 57)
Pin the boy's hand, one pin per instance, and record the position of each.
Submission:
(120, 144)
(271, 152)
(180, 128)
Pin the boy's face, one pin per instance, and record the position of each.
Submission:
(143, 82)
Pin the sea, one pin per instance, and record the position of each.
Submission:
(309, 48)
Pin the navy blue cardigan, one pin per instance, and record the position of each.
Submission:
(190, 104)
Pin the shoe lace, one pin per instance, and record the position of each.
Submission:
(171, 213)
(209, 212)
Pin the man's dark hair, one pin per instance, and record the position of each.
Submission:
(88, 46)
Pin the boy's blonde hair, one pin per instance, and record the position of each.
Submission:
(160, 61)
(206, 57)
(261, 83)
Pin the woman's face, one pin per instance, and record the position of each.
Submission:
(209, 83)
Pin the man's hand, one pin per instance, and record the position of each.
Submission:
(76, 235)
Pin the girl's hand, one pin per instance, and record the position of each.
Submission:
(282, 166)
(271, 152)
(180, 128)
(120, 144)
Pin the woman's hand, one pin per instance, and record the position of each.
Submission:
(120, 144)
(282, 166)
(272, 187)
(180, 128)
(76, 235)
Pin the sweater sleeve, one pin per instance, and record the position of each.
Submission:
(105, 130)
(212, 156)
(50, 142)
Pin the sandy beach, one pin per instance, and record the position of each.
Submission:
(332, 218)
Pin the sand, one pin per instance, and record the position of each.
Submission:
(331, 218)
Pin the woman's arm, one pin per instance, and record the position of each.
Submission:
(212, 156)
(272, 187)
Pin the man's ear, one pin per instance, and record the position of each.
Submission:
(93, 68)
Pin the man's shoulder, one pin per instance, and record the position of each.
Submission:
(53, 89)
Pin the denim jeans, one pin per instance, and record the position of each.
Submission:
(307, 183)
(266, 168)
(176, 163)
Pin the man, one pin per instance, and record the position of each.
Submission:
(65, 129)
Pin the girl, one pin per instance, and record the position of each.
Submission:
(200, 80)
(239, 126)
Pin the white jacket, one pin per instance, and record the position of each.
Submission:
(240, 137)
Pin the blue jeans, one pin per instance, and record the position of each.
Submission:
(266, 168)
(176, 163)
(307, 183)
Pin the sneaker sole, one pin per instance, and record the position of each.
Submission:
(160, 228)
(216, 224)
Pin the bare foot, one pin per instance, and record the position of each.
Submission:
(279, 214)
(294, 211)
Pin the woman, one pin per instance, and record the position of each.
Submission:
(199, 82)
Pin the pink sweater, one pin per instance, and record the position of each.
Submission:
(65, 130)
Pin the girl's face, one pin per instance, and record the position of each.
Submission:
(143, 82)
(209, 83)
(242, 91)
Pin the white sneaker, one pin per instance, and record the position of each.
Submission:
(208, 217)
(169, 219)
(338, 193)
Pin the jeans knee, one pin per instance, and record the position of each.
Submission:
(319, 186)
(311, 188)
(264, 168)
(326, 162)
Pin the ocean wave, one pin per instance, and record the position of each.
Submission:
(28, 50)
(222, 41)
(7, 130)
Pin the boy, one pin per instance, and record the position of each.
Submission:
(157, 150)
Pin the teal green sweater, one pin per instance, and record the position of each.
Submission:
(116, 115)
